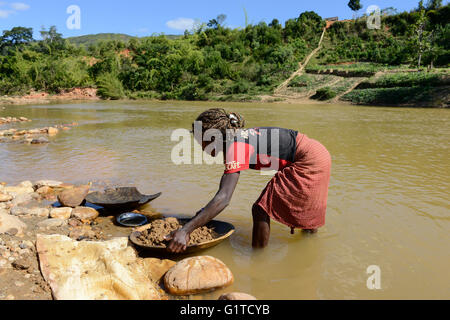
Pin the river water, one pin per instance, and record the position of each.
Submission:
(388, 201)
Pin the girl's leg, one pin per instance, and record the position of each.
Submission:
(261, 227)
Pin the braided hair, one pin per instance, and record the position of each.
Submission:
(221, 120)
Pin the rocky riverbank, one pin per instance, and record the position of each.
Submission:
(38, 218)
(46, 98)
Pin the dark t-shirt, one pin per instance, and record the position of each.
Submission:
(261, 148)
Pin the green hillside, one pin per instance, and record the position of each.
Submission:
(91, 39)
(270, 62)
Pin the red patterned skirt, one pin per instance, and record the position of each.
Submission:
(297, 196)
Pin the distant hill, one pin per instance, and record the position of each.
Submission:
(94, 38)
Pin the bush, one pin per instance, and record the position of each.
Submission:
(324, 94)
(110, 87)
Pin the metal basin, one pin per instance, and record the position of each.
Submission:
(132, 219)
(120, 199)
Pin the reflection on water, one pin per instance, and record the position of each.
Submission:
(388, 202)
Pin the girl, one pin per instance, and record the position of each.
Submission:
(296, 196)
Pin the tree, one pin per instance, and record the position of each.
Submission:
(217, 22)
(15, 37)
(433, 4)
(421, 36)
(51, 35)
(355, 5)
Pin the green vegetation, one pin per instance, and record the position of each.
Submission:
(407, 79)
(214, 62)
(93, 39)
(210, 62)
(324, 94)
(396, 96)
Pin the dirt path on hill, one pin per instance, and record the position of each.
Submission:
(282, 87)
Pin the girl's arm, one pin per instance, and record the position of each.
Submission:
(180, 239)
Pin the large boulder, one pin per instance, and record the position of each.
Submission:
(85, 213)
(237, 296)
(197, 275)
(73, 197)
(10, 224)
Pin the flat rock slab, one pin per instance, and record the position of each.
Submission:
(197, 275)
(93, 270)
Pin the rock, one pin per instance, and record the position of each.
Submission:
(157, 268)
(22, 198)
(52, 131)
(46, 193)
(40, 140)
(73, 197)
(21, 264)
(39, 212)
(10, 224)
(84, 233)
(5, 197)
(85, 213)
(61, 213)
(14, 191)
(197, 275)
(52, 223)
(36, 212)
(47, 183)
(25, 184)
(237, 296)
(75, 223)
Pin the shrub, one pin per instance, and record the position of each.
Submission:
(110, 87)
(324, 94)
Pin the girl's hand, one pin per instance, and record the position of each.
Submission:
(179, 241)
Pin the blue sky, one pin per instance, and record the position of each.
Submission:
(145, 17)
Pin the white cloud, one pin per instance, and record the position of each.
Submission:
(15, 6)
(5, 13)
(19, 6)
(181, 24)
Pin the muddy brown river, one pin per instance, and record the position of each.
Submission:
(389, 201)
